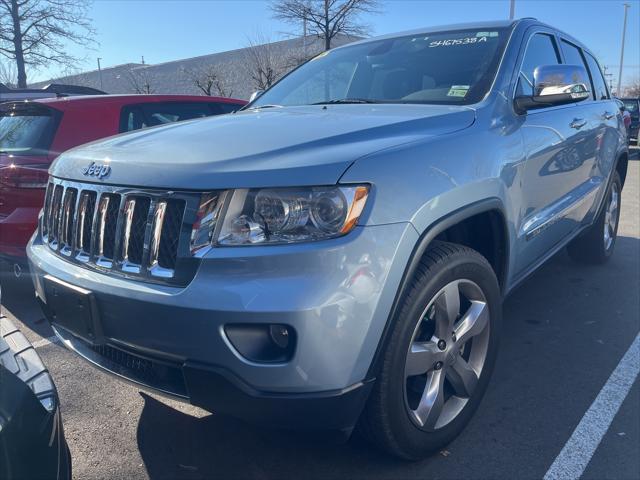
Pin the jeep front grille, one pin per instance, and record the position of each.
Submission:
(133, 232)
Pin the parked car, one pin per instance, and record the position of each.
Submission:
(337, 252)
(32, 134)
(32, 443)
(53, 90)
(632, 105)
(626, 117)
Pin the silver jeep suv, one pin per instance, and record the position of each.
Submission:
(336, 254)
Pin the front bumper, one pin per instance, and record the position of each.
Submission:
(335, 294)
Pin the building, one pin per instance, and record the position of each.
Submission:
(235, 73)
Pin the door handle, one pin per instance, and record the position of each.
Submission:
(608, 115)
(578, 123)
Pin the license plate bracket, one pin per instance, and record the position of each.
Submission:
(73, 308)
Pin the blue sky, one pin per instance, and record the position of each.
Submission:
(163, 30)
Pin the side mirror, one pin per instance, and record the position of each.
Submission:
(555, 85)
(255, 95)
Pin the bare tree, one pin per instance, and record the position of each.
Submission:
(141, 80)
(34, 33)
(633, 89)
(326, 18)
(262, 63)
(210, 80)
(8, 74)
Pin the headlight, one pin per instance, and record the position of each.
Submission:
(280, 215)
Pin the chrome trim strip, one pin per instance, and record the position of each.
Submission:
(556, 212)
(129, 207)
(101, 219)
(156, 231)
(81, 218)
(66, 244)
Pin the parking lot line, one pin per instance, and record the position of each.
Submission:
(584, 441)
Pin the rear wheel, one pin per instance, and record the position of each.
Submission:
(440, 354)
(597, 243)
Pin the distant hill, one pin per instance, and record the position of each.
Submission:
(233, 68)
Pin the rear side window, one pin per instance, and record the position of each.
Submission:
(573, 56)
(599, 84)
(227, 107)
(541, 50)
(134, 117)
(27, 131)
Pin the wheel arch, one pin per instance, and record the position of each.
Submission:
(487, 206)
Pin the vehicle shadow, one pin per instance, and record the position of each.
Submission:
(19, 300)
(176, 445)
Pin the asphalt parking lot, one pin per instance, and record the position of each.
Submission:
(566, 330)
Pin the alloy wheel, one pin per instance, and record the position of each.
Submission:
(446, 355)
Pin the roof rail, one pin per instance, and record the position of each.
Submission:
(59, 89)
(63, 89)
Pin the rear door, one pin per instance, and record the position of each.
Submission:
(608, 127)
(600, 113)
(558, 160)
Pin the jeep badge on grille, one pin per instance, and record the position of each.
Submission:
(96, 170)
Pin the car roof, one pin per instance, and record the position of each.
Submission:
(126, 99)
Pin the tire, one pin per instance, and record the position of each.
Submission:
(595, 245)
(392, 418)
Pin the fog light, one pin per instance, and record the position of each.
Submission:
(280, 335)
(262, 343)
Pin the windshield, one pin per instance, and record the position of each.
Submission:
(26, 133)
(452, 68)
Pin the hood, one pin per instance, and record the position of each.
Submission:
(292, 146)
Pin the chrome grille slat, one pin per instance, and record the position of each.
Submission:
(117, 229)
(99, 223)
(129, 208)
(156, 229)
(65, 237)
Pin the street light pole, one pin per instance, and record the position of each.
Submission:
(512, 10)
(100, 72)
(624, 33)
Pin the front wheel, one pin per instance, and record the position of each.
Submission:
(597, 243)
(440, 354)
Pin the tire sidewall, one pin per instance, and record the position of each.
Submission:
(615, 179)
(410, 437)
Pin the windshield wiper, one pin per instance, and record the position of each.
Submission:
(264, 106)
(347, 100)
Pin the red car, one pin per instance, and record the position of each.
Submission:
(33, 134)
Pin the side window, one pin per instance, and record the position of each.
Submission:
(573, 56)
(131, 118)
(599, 84)
(541, 50)
(145, 115)
(227, 107)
